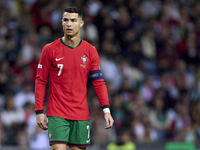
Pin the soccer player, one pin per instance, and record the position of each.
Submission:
(67, 62)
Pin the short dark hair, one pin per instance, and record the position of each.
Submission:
(74, 9)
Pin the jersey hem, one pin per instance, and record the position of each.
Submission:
(69, 118)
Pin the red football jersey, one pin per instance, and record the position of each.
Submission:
(68, 69)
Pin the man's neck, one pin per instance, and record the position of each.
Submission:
(71, 41)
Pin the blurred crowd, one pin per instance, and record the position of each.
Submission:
(150, 59)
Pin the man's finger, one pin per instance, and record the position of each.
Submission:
(108, 127)
(109, 123)
(46, 124)
(39, 125)
(42, 126)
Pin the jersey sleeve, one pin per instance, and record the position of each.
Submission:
(41, 79)
(98, 81)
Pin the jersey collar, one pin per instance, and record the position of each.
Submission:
(69, 45)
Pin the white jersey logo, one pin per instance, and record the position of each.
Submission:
(88, 141)
(57, 59)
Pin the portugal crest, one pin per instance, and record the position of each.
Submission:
(84, 59)
(50, 135)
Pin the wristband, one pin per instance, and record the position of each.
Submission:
(39, 112)
(106, 110)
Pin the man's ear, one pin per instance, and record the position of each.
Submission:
(81, 23)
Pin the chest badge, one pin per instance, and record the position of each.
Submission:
(84, 59)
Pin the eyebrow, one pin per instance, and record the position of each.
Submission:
(70, 18)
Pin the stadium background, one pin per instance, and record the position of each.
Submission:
(149, 52)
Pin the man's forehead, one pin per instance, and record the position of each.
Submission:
(70, 15)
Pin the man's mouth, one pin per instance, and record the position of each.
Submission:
(69, 30)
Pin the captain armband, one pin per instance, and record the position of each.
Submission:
(95, 75)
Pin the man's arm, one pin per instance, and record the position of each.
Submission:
(102, 94)
(40, 85)
(101, 89)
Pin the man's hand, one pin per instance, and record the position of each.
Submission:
(41, 121)
(109, 120)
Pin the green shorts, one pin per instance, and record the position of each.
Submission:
(69, 132)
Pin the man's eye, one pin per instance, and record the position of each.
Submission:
(64, 19)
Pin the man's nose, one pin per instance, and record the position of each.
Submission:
(69, 23)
